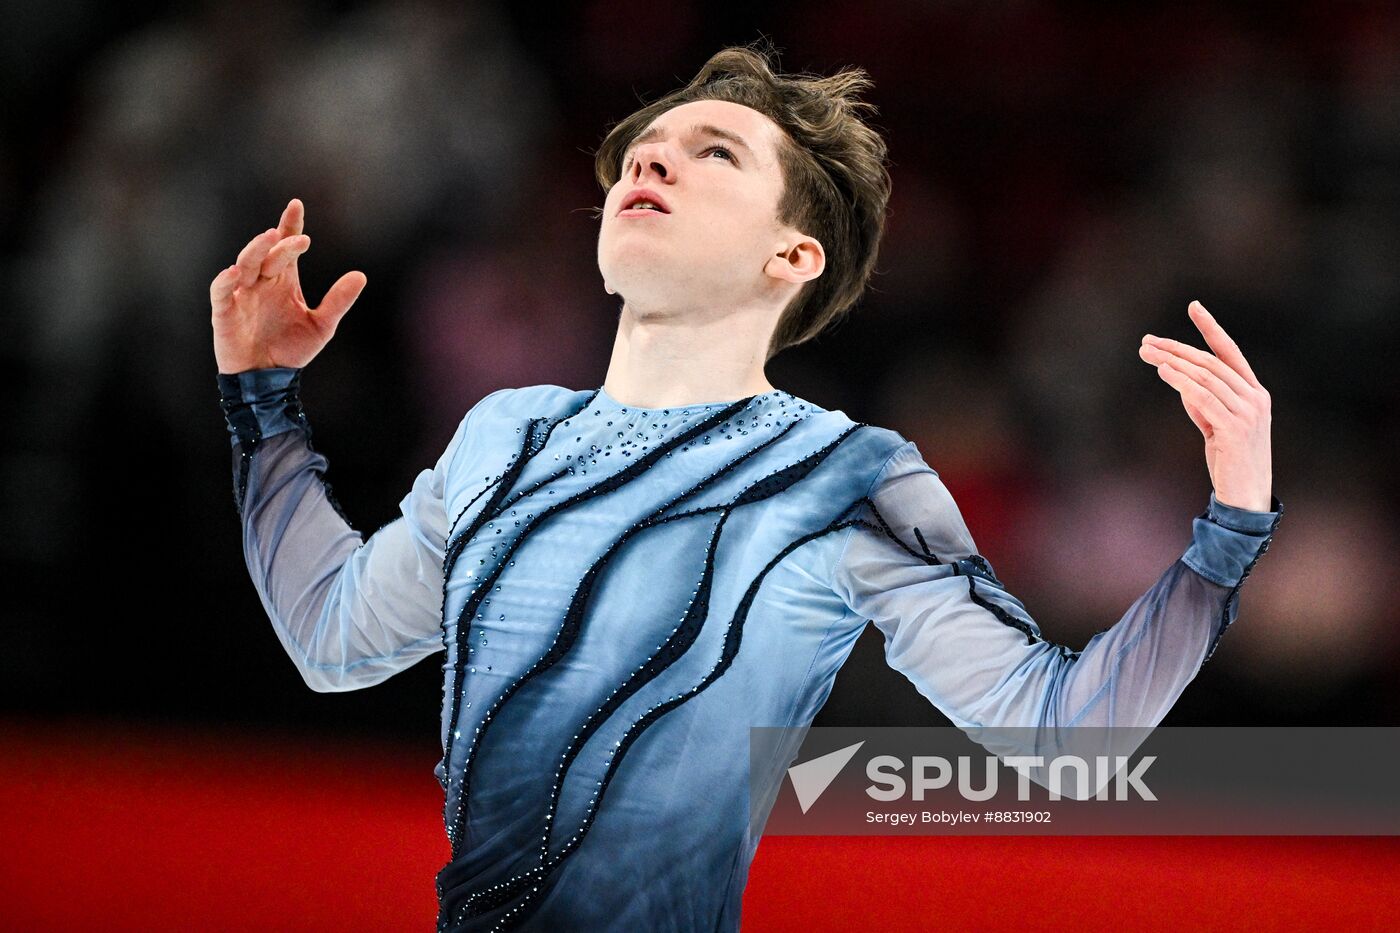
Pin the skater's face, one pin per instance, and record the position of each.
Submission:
(713, 165)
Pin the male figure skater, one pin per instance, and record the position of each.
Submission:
(626, 578)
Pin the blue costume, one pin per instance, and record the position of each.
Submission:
(622, 592)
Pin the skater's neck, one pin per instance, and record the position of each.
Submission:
(671, 359)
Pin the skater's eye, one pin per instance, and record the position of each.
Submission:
(725, 150)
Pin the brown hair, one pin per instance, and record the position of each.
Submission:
(835, 183)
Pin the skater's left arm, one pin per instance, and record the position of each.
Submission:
(971, 647)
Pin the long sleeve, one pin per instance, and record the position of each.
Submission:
(350, 612)
(969, 645)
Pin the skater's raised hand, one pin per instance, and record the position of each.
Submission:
(260, 316)
(1226, 402)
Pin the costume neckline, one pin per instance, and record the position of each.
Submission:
(761, 398)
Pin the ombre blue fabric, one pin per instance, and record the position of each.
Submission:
(620, 593)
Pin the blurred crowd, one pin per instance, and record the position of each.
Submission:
(1065, 181)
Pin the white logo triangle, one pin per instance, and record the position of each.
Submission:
(811, 778)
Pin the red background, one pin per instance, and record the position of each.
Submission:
(135, 828)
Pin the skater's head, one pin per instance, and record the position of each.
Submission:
(775, 187)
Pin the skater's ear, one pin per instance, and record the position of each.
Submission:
(799, 259)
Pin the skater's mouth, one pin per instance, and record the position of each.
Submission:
(643, 200)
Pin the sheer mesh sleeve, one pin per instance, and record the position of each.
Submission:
(350, 612)
(970, 646)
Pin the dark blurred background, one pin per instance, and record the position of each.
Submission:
(1067, 177)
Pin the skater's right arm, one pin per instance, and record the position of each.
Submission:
(350, 612)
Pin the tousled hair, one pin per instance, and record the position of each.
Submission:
(836, 186)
